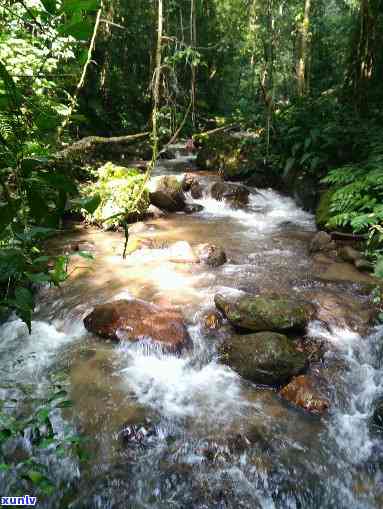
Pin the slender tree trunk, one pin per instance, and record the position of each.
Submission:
(268, 78)
(157, 78)
(193, 44)
(303, 50)
(362, 66)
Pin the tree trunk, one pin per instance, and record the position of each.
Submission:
(364, 48)
(303, 50)
(157, 78)
(193, 44)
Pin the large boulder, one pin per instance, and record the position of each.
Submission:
(136, 320)
(303, 392)
(166, 193)
(211, 255)
(265, 313)
(235, 195)
(265, 358)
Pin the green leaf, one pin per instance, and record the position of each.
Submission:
(38, 278)
(89, 203)
(289, 164)
(64, 404)
(35, 476)
(86, 255)
(24, 299)
(4, 467)
(49, 5)
(81, 30)
(71, 6)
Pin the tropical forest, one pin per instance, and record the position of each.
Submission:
(191, 254)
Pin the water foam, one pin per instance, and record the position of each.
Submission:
(363, 381)
(267, 210)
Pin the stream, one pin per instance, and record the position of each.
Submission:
(183, 416)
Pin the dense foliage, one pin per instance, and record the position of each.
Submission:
(303, 78)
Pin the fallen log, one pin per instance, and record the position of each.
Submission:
(102, 148)
(348, 236)
(228, 127)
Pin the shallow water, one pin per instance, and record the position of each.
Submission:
(193, 408)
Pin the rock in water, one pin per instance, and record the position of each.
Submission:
(343, 311)
(211, 255)
(166, 193)
(136, 320)
(188, 181)
(303, 392)
(265, 313)
(322, 242)
(196, 191)
(265, 358)
(377, 418)
(236, 195)
(193, 208)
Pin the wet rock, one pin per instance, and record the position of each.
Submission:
(188, 181)
(322, 242)
(165, 192)
(155, 212)
(363, 264)
(211, 255)
(196, 191)
(182, 252)
(349, 254)
(137, 434)
(265, 313)
(135, 320)
(192, 208)
(265, 358)
(377, 418)
(342, 310)
(327, 269)
(236, 195)
(238, 443)
(303, 392)
(212, 321)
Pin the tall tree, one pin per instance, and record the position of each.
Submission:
(303, 50)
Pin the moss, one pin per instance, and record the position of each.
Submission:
(323, 212)
(118, 188)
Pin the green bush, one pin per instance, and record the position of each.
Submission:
(121, 192)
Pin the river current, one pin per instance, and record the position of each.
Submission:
(185, 415)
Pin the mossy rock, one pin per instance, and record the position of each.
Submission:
(166, 193)
(323, 212)
(266, 313)
(266, 358)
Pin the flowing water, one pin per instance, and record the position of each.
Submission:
(184, 416)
